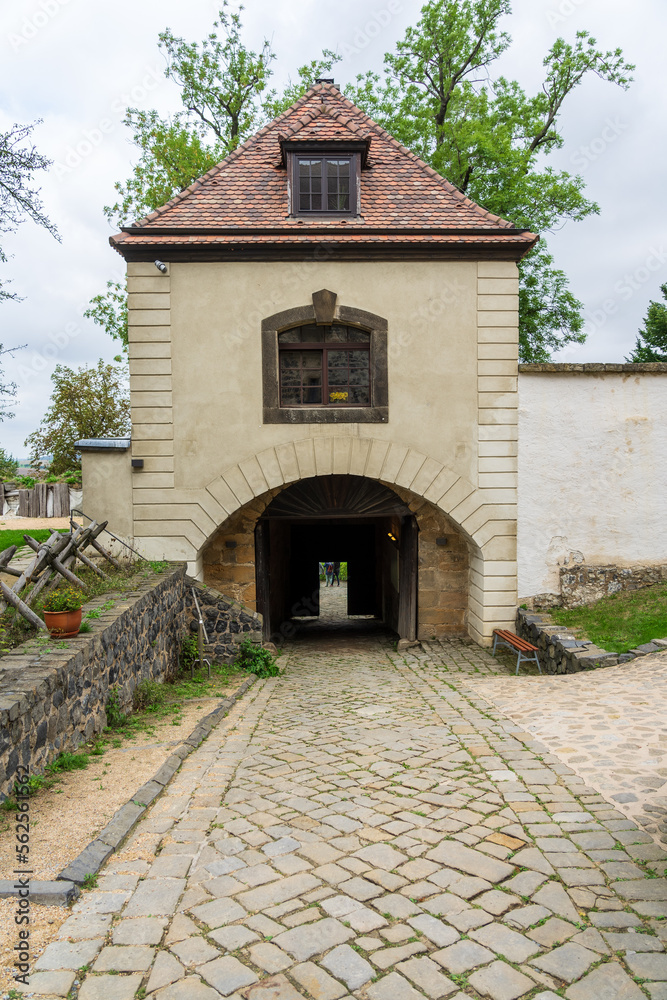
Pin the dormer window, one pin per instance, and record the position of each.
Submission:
(324, 184)
(324, 177)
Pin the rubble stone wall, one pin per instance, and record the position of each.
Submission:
(583, 584)
(561, 652)
(227, 622)
(53, 695)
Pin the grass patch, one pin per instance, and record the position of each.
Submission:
(14, 536)
(154, 702)
(621, 621)
(68, 762)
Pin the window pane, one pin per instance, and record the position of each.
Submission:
(360, 395)
(290, 336)
(310, 185)
(337, 358)
(338, 185)
(301, 370)
(300, 377)
(358, 336)
(312, 359)
(336, 334)
(312, 334)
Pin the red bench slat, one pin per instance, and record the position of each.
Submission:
(514, 640)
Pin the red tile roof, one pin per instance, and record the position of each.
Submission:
(243, 201)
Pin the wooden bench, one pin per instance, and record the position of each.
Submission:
(501, 637)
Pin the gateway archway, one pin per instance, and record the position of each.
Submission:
(347, 518)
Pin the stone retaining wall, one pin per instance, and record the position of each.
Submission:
(53, 694)
(226, 621)
(560, 652)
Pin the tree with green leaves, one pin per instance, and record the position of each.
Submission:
(109, 310)
(8, 466)
(651, 342)
(85, 403)
(486, 135)
(19, 200)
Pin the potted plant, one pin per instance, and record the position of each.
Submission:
(62, 612)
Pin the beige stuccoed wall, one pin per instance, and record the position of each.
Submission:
(195, 365)
(107, 489)
(592, 472)
(216, 315)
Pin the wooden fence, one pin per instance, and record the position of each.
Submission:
(54, 560)
(35, 502)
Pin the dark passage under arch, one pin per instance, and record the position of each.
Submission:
(349, 518)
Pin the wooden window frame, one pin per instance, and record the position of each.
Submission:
(310, 153)
(322, 413)
(325, 347)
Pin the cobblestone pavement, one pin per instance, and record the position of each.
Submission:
(609, 725)
(365, 826)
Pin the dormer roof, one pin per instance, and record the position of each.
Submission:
(240, 208)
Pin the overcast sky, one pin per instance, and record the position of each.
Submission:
(78, 64)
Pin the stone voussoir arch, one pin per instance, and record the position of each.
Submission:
(373, 458)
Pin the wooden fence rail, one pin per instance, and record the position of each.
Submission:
(54, 560)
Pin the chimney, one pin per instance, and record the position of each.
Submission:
(327, 79)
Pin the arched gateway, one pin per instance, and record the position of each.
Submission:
(408, 563)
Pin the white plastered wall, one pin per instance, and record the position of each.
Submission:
(592, 472)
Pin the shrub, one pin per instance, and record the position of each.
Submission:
(68, 598)
(189, 650)
(114, 710)
(148, 695)
(256, 660)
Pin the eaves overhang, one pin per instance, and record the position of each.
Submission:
(339, 241)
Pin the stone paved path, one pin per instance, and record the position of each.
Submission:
(609, 725)
(365, 826)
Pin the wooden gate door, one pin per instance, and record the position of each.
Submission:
(262, 576)
(408, 555)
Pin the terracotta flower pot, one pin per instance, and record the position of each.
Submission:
(63, 624)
